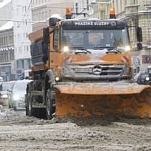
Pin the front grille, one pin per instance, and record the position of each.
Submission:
(112, 70)
(99, 72)
(102, 69)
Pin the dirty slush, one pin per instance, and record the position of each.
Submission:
(20, 132)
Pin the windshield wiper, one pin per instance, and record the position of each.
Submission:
(113, 50)
(80, 50)
(109, 49)
(99, 47)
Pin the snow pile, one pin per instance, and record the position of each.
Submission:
(6, 112)
(2, 112)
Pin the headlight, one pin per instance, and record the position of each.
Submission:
(16, 97)
(127, 48)
(65, 49)
(4, 96)
(147, 78)
(57, 79)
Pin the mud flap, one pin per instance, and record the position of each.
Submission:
(77, 103)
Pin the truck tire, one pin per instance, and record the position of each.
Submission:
(30, 111)
(26, 104)
(40, 113)
(50, 109)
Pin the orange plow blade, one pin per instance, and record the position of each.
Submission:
(86, 99)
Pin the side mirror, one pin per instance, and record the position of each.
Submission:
(46, 35)
(53, 21)
(139, 34)
(139, 46)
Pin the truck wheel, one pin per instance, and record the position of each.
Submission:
(30, 111)
(50, 109)
(26, 104)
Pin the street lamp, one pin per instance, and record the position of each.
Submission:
(99, 10)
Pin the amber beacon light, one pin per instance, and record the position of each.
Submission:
(112, 13)
(68, 13)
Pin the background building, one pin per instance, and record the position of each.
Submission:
(6, 40)
(21, 16)
(100, 8)
(6, 50)
(43, 9)
(15, 25)
(82, 8)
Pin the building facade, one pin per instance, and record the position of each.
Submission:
(6, 51)
(15, 25)
(6, 40)
(100, 8)
(22, 26)
(43, 9)
(82, 8)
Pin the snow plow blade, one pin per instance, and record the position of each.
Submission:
(87, 100)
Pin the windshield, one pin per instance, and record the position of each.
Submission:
(89, 39)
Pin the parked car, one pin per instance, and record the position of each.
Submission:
(4, 92)
(1, 81)
(9, 90)
(142, 78)
(17, 95)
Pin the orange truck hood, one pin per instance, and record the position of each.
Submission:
(120, 58)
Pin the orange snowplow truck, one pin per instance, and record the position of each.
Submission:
(83, 68)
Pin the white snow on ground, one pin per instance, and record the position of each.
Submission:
(2, 112)
(6, 112)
